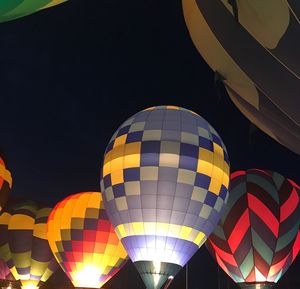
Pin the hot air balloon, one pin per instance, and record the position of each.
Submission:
(5, 183)
(83, 240)
(253, 46)
(256, 240)
(164, 180)
(24, 246)
(12, 9)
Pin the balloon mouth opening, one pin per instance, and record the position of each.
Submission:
(87, 277)
(256, 285)
(29, 286)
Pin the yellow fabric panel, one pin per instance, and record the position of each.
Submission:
(266, 20)
(215, 55)
(200, 239)
(185, 232)
(95, 200)
(21, 222)
(116, 164)
(149, 108)
(53, 3)
(106, 163)
(14, 272)
(46, 275)
(215, 186)
(61, 216)
(87, 257)
(120, 251)
(206, 155)
(132, 161)
(4, 218)
(40, 231)
(5, 174)
(110, 249)
(5, 252)
(117, 176)
(51, 235)
(138, 228)
(106, 168)
(38, 268)
(80, 207)
(218, 150)
(160, 229)
(29, 284)
(120, 140)
(22, 260)
(205, 168)
(133, 148)
(117, 152)
(120, 230)
(44, 212)
(172, 107)
(225, 180)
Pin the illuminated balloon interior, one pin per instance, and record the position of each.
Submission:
(164, 180)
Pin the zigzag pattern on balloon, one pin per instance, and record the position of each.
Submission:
(257, 239)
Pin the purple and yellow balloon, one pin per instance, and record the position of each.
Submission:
(164, 181)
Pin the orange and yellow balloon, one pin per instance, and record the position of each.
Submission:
(83, 240)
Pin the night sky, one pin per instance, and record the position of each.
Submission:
(70, 75)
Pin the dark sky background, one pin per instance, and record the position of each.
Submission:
(70, 75)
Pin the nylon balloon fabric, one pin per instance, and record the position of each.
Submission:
(84, 241)
(254, 47)
(164, 180)
(257, 238)
(24, 246)
(12, 9)
(4, 271)
(5, 183)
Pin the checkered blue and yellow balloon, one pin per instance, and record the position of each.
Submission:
(165, 181)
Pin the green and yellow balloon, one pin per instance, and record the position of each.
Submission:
(24, 246)
(12, 9)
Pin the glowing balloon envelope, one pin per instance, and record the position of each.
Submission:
(5, 183)
(257, 238)
(84, 241)
(12, 9)
(24, 246)
(254, 48)
(165, 178)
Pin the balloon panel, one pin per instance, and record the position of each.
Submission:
(261, 73)
(256, 240)
(165, 179)
(4, 271)
(5, 183)
(12, 9)
(23, 243)
(84, 241)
